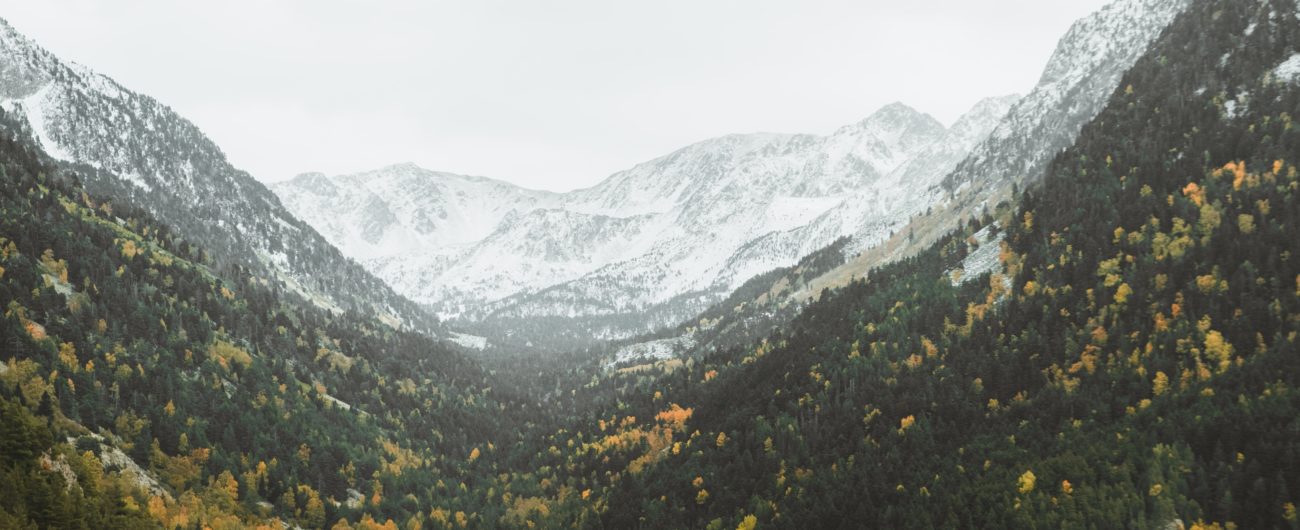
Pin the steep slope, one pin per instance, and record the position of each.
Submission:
(1131, 362)
(130, 147)
(894, 183)
(744, 209)
(905, 193)
(1079, 77)
(165, 393)
(1083, 70)
(648, 246)
(403, 209)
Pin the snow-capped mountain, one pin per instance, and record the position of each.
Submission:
(680, 230)
(1083, 73)
(134, 149)
(662, 240)
(1080, 77)
(393, 210)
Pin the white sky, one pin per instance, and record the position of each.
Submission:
(546, 94)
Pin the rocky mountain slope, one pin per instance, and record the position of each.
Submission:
(1083, 72)
(663, 238)
(655, 244)
(1131, 361)
(132, 148)
(212, 401)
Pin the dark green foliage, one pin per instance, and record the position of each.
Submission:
(38, 498)
(1133, 362)
(893, 436)
(142, 337)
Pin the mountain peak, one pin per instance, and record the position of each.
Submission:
(312, 179)
(402, 166)
(897, 107)
(985, 110)
(26, 67)
(898, 113)
(307, 176)
(400, 170)
(895, 120)
(994, 102)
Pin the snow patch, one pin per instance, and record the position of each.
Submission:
(653, 350)
(472, 342)
(984, 259)
(61, 467)
(337, 402)
(1289, 70)
(788, 213)
(34, 108)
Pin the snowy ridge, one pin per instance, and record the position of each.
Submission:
(392, 210)
(131, 148)
(1080, 76)
(1083, 73)
(663, 238)
(700, 221)
(963, 174)
(691, 225)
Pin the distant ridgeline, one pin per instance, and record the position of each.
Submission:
(1132, 361)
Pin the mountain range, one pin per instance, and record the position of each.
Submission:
(698, 221)
(647, 247)
(658, 243)
(1087, 317)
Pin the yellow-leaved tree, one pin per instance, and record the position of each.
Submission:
(1026, 482)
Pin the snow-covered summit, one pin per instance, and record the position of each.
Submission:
(687, 222)
(404, 209)
(699, 221)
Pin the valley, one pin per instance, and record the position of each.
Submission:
(1073, 308)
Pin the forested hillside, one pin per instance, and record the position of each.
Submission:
(1133, 363)
(136, 150)
(141, 387)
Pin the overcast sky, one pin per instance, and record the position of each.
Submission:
(546, 94)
